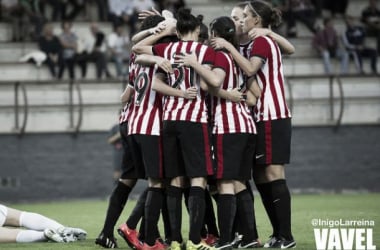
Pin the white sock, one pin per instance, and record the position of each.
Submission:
(26, 236)
(37, 222)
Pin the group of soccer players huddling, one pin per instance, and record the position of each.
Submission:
(202, 117)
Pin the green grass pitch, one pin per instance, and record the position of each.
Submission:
(89, 215)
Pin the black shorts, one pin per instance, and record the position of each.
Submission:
(187, 149)
(234, 155)
(128, 168)
(147, 154)
(273, 142)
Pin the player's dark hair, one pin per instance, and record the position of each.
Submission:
(151, 21)
(269, 16)
(224, 27)
(203, 34)
(186, 22)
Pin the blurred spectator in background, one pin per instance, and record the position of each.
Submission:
(93, 49)
(283, 6)
(371, 19)
(69, 42)
(303, 11)
(119, 50)
(118, 11)
(336, 6)
(13, 13)
(51, 46)
(35, 15)
(326, 41)
(114, 139)
(102, 10)
(170, 5)
(353, 40)
(76, 7)
(57, 7)
(98, 53)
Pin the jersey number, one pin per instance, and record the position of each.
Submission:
(141, 83)
(181, 75)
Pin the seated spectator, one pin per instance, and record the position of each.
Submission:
(326, 42)
(371, 19)
(51, 46)
(353, 40)
(119, 50)
(301, 10)
(94, 50)
(69, 42)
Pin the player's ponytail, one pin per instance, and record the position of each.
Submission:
(186, 22)
(270, 17)
(225, 28)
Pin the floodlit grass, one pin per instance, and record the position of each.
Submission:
(89, 215)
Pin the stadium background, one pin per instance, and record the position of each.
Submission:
(61, 153)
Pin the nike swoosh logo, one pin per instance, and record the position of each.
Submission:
(259, 156)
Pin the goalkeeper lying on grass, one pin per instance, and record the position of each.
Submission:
(34, 227)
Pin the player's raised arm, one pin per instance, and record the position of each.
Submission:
(245, 65)
(145, 45)
(285, 46)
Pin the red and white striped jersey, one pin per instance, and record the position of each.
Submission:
(272, 104)
(180, 109)
(146, 114)
(230, 117)
(125, 113)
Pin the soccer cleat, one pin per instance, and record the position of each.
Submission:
(175, 245)
(200, 246)
(211, 239)
(131, 236)
(252, 244)
(270, 242)
(106, 242)
(282, 243)
(225, 246)
(52, 235)
(157, 246)
(238, 238)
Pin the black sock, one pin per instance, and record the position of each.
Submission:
(116, 204)
(265, 191)
(196, 213)
(152, 214)
(174, 202)
(165, 217)
(138, 211)
(226, 215)
(210, 219)
(142, 229)
(186, 193)
(246, 211)
(281, 205)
